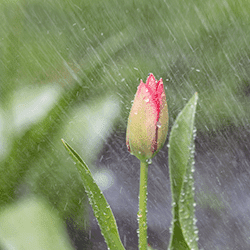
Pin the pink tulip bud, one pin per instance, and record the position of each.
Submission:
(148, 120)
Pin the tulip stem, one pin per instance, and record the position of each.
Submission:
(142, 213)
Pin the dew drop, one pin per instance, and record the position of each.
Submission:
(158, 124)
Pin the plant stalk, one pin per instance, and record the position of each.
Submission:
(142, 213)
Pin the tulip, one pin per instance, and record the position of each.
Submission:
(148, 120)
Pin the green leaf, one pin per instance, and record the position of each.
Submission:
(181, 167)
(100, 206)
(31, 224)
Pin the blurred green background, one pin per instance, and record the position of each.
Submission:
(69, 69)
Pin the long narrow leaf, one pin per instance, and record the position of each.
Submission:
(181, 160)
(100, 206)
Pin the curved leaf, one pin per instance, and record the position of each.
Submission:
(100, 206)
(181, 161)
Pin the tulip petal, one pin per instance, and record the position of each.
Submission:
(141, 130)
(151, 83)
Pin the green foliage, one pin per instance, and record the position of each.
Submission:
(35, 141)
(206, 50)
(181, 160)
(30, 224)
(100, 206)
(86, 48)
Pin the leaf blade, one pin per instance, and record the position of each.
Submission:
(181, 160)
(100, 206)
